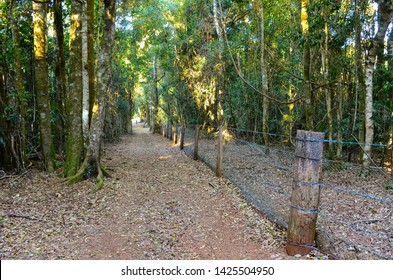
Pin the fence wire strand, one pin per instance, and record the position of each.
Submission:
(350, 195)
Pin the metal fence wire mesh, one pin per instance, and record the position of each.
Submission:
(355, 219)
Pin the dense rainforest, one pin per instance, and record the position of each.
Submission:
(74, 73)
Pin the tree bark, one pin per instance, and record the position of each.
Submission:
(90, 54)
(309, 109)
(42, 81)
(219, 111)
(18, 101)
(264, 77)
(60, 71)
(390, 67)
(154, 123)
(385, 14)
(85, 74)
(92, 163)
(74, 137)
(359, 82)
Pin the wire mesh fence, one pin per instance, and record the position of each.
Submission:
(355, 217)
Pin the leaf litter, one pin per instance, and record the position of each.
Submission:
(159, 204)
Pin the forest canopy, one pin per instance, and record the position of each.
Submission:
(75, 73)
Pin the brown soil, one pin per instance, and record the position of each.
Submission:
(158, 204)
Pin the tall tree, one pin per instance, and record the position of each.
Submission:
(264, 76)
(385, 14)
(154, 123)
(74, 136)
(390, 68)
(60, 69)
(92, 162)
(42, 80)
(90, 19)
(309, 107)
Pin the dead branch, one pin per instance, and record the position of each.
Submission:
(24, 217)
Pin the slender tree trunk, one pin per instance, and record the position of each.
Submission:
(265, 82)
(60, 71)
(359, 80)
(85, 74)
(74, 137)
(5, 155)
(6, 161)
(155, 124)
(340, 118)
(309, 108)
(42, 81)
(148, 114)
(90, 54)
(18, 140)
(385, 13)
(220, 67)
(130, 109)
(327, 89)
(390, 67)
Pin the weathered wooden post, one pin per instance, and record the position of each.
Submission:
(182, 136)
(196, 143)
(219, 152)
(305, 193)
(163, 130)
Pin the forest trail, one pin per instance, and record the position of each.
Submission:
(159, 204)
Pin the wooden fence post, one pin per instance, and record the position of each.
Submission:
(196, 142)
(305, 193)
(182, 136)
(219, 152)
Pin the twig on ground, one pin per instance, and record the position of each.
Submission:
(24, 217)
(4, 176)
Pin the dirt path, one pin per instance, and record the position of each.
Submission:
(159, 204)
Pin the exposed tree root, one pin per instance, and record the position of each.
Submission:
(79, 176)
(85, 173)
(100, 180)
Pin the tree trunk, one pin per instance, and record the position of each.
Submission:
(85, 75)
(309, 108)
(42, 81)
(154, 123)
(326, 88)
(390, 67)
(60, 71)
(90, 55)
(74, 139)
(385, 13)
(219, 111)
(92, 163)
(340, 118)
(265, 82)
(130, 109)
(359, 82)
(18, 141)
